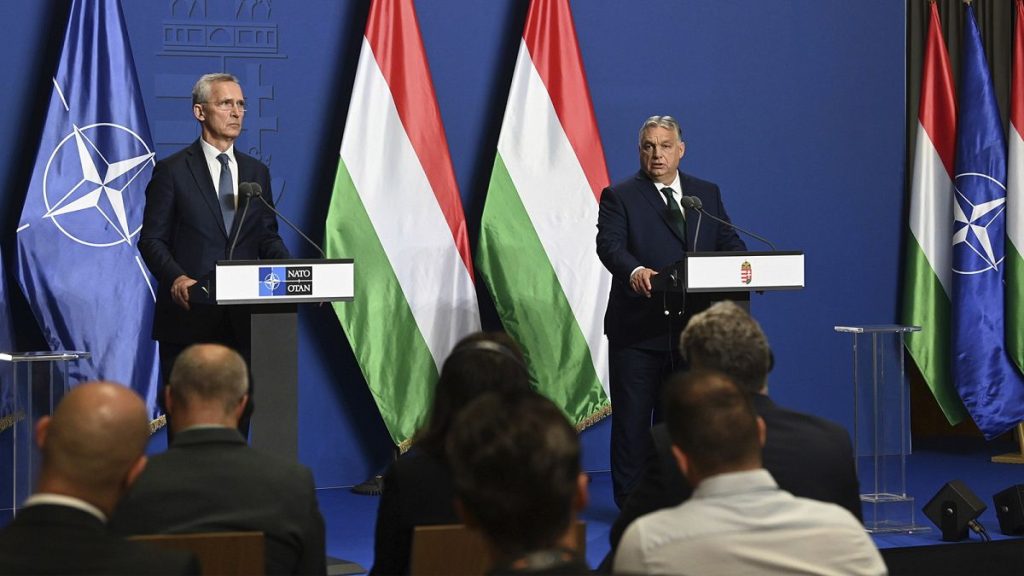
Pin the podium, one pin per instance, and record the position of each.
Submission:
(274, 288)
(38, 382)
(881, 426)
(738, 272)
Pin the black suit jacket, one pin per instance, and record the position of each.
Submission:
(183, 233)
(808, 456)
(634, 229)
(54, 539)
(418, 490)
(209, 480)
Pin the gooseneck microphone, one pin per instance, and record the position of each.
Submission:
(244, 192)
(695, 203)
(257, 192)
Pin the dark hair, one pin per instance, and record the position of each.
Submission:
(480, 362)
(727, 339)
(515, 460)
(712, 420)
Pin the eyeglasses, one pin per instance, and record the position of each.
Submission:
(226, 105)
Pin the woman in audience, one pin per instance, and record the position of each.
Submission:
(418, 488)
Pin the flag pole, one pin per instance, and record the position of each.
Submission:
(1013, 457)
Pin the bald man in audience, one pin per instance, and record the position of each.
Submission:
(92, 450)
(210, 480)
(738, 520)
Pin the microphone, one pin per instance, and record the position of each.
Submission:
(257, 192)
(695, 203)
(244, 191)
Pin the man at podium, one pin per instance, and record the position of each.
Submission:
(643, 227)
(193, 219)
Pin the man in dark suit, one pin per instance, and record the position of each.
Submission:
(92, 451)
(642, 228)
(210, 480)
(808, 456)
(190, 223)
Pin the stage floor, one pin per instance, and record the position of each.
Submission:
(350, 518)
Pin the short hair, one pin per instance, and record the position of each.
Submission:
(209, 372)
(201, 90)
(515, 461)
(96, 434)
(727, 339)
(712, 420)
(481, 362)
(667, 122)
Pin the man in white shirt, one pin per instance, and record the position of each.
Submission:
(738, 520)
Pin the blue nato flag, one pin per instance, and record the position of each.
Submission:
(988, 382)
(77, 261)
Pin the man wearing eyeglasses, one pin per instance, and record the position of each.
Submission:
(192, 220)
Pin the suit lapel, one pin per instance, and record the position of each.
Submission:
(649, 190)
(204, 182)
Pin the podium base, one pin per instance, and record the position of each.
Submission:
(889, 513)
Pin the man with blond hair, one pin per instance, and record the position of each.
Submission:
(210, 480)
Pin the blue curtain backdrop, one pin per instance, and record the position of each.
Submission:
(785, 105)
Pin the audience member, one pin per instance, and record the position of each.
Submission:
(738, 520)
(516, 463)
(418, 487)
(209, 480)
(92, 450)
(808, 456)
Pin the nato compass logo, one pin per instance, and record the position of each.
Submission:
(271, 283)
(286, 280)
(91, 171)
(978, 226)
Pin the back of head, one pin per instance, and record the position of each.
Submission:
(516, 461)
(727, 339)
(481, 362)
(713, 422)
(206, 385)
(96, 435)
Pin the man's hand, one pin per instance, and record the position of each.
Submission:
(640, 281)
(179, 290)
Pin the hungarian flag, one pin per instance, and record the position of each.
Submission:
(928, 266)
(537, 251)
(1015, 202)
(396, 210)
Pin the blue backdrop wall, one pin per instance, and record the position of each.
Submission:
(796, 108)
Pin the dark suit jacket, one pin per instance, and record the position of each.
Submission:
(54, 539)
(183, 233)
(633, 229)
(808, 456)
(209, 480)
(418, 490)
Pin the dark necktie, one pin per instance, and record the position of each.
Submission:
(675, 215)
(226, 193)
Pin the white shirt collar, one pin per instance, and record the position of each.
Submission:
(676, 186)
(69, 501)
(211, 153)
